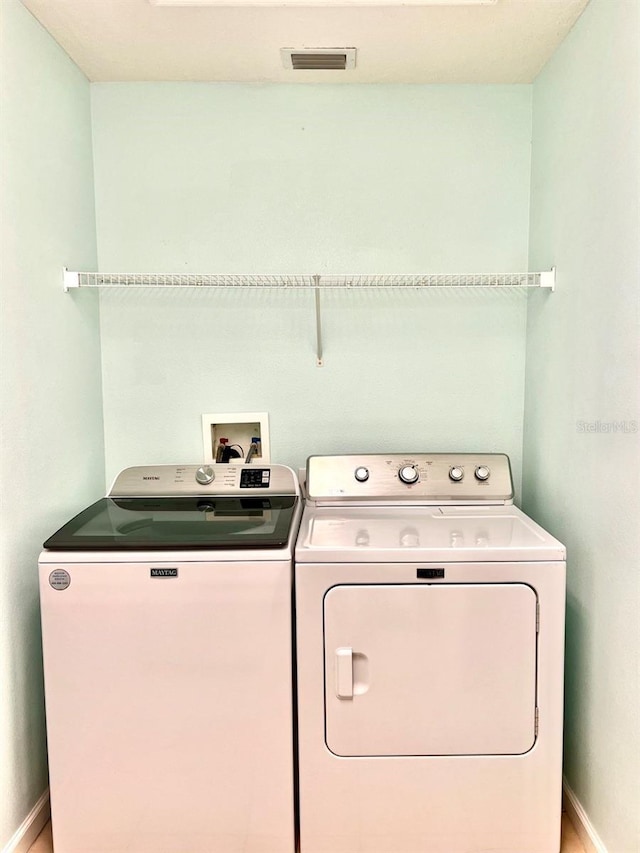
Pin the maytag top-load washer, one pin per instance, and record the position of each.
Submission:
(166, 619)
(430, 624)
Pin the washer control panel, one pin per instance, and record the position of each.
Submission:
(421, 478)
(207, 479)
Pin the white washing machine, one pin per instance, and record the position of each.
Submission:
(430, 644)
(166, 620)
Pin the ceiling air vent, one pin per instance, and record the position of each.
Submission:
(319, 58)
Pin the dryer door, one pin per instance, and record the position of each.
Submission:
(433, 669)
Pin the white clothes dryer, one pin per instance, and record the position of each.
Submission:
(167, 637)
(430, 633)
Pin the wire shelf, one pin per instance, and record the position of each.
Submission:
(303, 282)
(426, 281)
(315, 283)
(94, 279)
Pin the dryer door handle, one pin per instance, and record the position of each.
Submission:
(344, 673)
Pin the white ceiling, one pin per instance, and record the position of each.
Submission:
(128, 40)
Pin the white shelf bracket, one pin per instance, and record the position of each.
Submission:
(316, 282)
(548, 279)
(70, 280)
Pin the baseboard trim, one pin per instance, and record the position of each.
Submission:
(590, 839)
(34, 823)
(31, 826)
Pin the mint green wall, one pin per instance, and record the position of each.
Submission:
(235, 178)
(52, 447)
(242, 178)
(582, 367)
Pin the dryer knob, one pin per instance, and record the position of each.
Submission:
(361, 474)
(205, 475)
(408, 474)
(482, 472)
(456, 474)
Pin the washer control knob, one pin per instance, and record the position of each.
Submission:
(361, 474)
(408, 474)
(456, 474)
(482, 472)
(205, 475)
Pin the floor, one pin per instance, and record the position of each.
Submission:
(570, 841)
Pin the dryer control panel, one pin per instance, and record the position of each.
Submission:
(413, 478)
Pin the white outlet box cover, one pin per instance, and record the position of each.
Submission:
(240, 427)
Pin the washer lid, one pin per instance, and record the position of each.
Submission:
(160, 524)
(423, 534)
